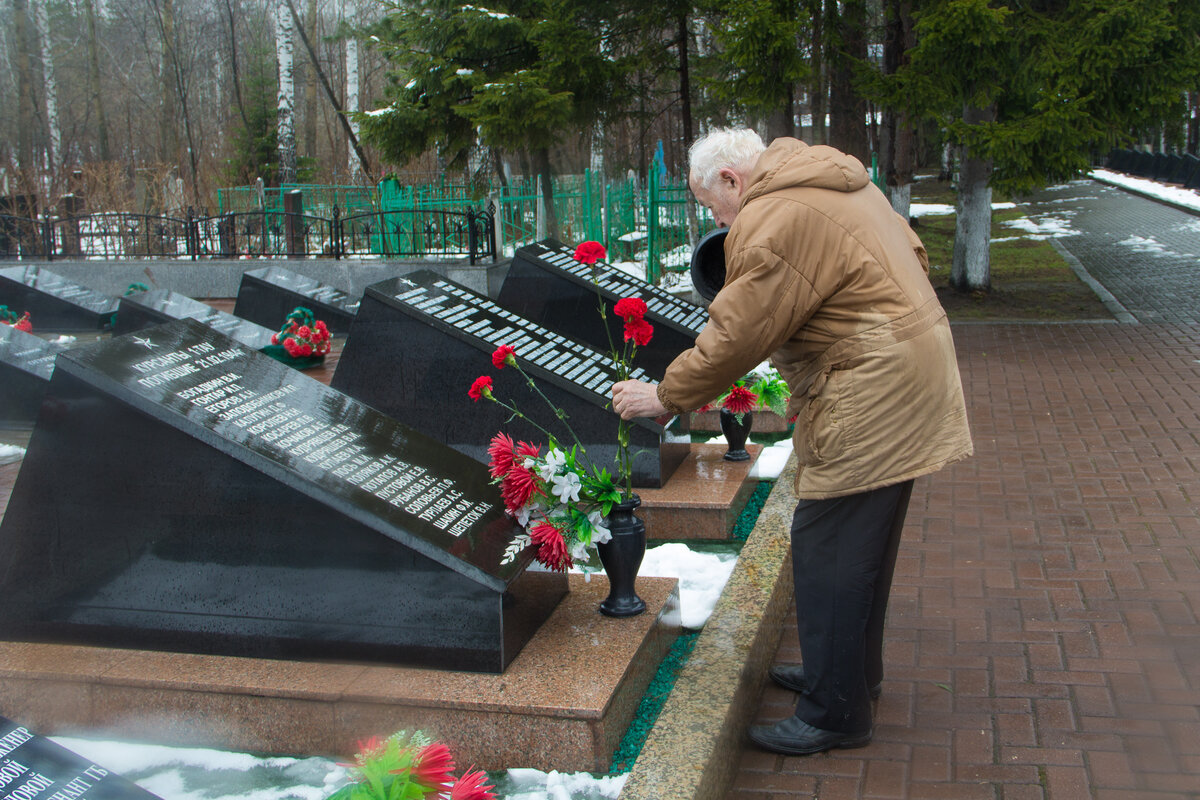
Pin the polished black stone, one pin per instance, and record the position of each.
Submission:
(419, 342)
(547, 285)
(268, 295)
(143, 309)
(708, 263)
(53, 302)
(32, 766)
(183, 492)
(26, 362)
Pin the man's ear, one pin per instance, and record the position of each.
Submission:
(731, 176)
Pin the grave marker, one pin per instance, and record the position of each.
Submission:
(547, 285)
(54, 303)
(34, 767)
(268, 295)
(26, 362)
(419, 341)
(144, 309)
(191, 494)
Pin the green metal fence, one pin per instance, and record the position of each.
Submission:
(633, 223)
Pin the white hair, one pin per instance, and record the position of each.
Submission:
(736, 148)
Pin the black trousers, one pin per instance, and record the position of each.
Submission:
(843, 557)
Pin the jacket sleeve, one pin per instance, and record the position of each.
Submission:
(766, 301)
(917, 246)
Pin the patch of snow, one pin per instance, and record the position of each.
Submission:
(1043, 227)
(1143, 244)
(1171, 194)
(702, 577)
(11, 453)
(533, 784)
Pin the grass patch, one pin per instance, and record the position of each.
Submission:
(1030, 280)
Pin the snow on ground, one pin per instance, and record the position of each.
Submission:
(1144, 244)
(1042, 227)
(702, 578)
(10, 453)
(1170, 194)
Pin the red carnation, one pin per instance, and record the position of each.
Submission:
(471, 786)
(517, 487)
(740, 400)
(640, 331)
(433, 766)
(303, 332)
(504, 357)
(501, 453)
(552, 548)
(628, 308)
(306, 350)
(24, 324)
(590, 252)
(291, 347)
(482, 387)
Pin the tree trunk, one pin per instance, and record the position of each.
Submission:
(848, 109)
(233, 65)
(541, 162)
(25, 125)
(972, 269)
(782, 121)
(816, 89)
(54, 145)
(168, 133)
(287, 92)
(352, 162)
(896, 151)
(101, 124)
(310, 88)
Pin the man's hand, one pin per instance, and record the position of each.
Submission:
(636, 399)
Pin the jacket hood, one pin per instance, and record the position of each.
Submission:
(790, 163)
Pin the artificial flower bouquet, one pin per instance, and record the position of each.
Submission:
(762, 389)
(303, 340)
(561, 499)
(403, 767)
(22, 323)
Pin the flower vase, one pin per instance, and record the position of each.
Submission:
(622, 558)
(736, 434)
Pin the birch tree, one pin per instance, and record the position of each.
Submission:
(49, 81)
(287, 92)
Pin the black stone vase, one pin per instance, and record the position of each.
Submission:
(622, 557)
(736, 434)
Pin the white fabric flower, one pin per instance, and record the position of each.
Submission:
(555, 461)
(525, 512)
(566, 487)
(600, 534)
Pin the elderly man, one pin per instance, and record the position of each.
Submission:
(825, 279)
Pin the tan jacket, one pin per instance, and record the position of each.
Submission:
(823, 277)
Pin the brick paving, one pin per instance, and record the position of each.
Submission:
(1043, 639)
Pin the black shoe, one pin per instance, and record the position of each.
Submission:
(791, 676)
(795, 737)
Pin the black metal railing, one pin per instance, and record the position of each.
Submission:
(382, 234)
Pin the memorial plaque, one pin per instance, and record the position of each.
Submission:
(268, 295)
(144, 309)
(190, 494)
(547, 285)
(419, 341)
(32, 766)
(53, 302)
(26, 362)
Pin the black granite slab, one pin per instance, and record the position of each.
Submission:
(26, 362)
(32, 766)
(53, 302)
(144, 309)
(190, 494)
(547, 285)
(419, 341)
(268, 295)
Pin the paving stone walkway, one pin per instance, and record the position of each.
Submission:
(1043, 637)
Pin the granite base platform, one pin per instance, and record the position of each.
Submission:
(564, 703)
(703, 498)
